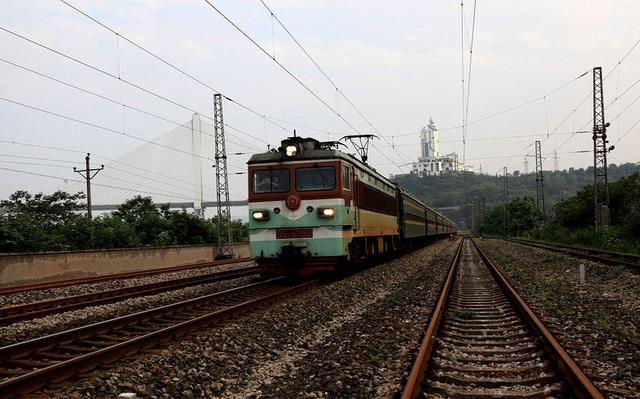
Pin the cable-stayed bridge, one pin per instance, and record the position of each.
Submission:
(175, 169)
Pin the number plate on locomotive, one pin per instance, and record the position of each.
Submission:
(282, 234)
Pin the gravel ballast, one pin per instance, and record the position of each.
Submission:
(79, 289)
(51, 324)
(355, 337)
(597, 322)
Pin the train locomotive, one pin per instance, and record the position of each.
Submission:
(313, 207)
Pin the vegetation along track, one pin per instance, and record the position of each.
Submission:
(598, 255)
(30, 365)
(118, 276)
(484, 341)
(27, 311)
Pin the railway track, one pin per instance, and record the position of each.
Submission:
(27, 311)
(484, 341)
(31, 365)
(606, 257)
(117, 276)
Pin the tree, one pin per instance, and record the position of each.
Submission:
(523, 214)
(144, 218)
(43, 222)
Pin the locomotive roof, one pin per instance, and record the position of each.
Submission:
(316, 154)
(277, 155)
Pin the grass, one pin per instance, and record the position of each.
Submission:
(601, 319)
(375, 351)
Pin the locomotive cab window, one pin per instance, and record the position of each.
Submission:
(346, 178)
(271, 181)
(316, 178)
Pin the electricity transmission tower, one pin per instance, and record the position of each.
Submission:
(555, 160)
(539, 179)
(600, 181)
(225, 238)
(505, 193)
(526, 165)
(87, 173)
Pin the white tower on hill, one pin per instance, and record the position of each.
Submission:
(429, 137)
(430, 162)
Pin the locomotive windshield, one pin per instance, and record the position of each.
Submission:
(271, 181)
(316, 178)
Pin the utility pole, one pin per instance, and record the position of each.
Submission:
(225, 245)
(87, 173)
(600, 181)
(484, 216)
(539, 179)
(505, 193)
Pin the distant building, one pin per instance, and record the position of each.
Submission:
(431, 163)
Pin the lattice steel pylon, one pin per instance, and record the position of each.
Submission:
(539, 179)
(225, 238)
(505, 193)
(600, 181)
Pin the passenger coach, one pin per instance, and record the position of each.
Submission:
(312, 206)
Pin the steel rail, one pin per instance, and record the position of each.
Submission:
(413, 386)
(34, 380)
(581, 384)
(606, 257)
(27, 311)
(117, 276)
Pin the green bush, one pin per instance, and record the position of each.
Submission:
(56, 222)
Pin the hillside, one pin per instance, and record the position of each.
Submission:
(449, 190)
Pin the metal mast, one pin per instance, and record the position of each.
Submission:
(539, 179)
(505, 192)
(225, 244)
(600, 182)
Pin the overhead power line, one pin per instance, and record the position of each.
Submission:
(66, 179)
(104, 128)
(110, 166)
(324, 73)
(109, 74)
(179, 124)
(284, 68)
(295, 77)
(172, 65)
(466, 110)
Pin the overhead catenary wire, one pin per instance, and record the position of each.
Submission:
(109, 74)
(136, 109)
(105, 158)
(104, 128)
(466, 111)
(574, 110)
(606, 107)
(174, 66)
(287, 70)
(616, 65)
(284, 68)
(324, 73)
(66, 179)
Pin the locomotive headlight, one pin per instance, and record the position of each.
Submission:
(260, 215)
(291, 150)
(326, 212)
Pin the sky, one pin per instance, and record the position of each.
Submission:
(398, 63)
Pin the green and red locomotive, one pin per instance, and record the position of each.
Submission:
(313, 207)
